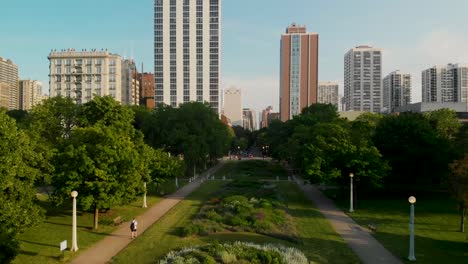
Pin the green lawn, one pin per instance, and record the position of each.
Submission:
(41, 243)
(437, 239)
(319, 241)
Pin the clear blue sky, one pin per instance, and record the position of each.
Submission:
(414, 35)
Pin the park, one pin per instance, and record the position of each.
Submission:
(318, 184)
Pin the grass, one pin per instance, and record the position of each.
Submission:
(41, 243)
(319, 242)
(437, 239)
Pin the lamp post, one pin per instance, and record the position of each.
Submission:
(74, 246)
(144, 196)
(411, 255)
(351, 206)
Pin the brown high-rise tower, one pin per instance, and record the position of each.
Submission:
(299, 71)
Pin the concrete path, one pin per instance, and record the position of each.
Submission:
(103, 251)
(368, 249)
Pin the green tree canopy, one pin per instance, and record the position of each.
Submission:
(17, 192)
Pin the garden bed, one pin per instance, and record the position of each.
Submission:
(244, 206)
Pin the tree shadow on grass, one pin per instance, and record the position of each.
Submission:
(70, 225)
(427, 250)
(37, 243)
(28, 253)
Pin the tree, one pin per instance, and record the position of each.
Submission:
(53, 119)
(102, 164)
(444, 121)
(17, 193)
(193, 131)
(101, 158)
(417, 154)
(458, 186)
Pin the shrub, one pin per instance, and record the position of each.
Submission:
(9, 248)
(227, 257)
(214, 216)
(238, 252)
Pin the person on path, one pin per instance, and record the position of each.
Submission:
(133, 228)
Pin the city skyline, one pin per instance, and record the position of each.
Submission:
(250, 57)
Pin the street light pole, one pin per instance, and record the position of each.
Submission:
(411, 255)
(351, 205)
(144, 196)
(74, 246)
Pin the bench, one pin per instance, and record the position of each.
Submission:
(118, 220)
(372, 227)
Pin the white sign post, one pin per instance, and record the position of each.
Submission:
(63, 245)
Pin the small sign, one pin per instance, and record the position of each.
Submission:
(63, 245)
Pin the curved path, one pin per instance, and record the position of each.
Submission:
(366, 247)
(110, 246)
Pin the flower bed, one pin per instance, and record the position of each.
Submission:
(238, 252)
(244, 206)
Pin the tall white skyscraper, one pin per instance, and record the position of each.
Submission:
(328, 93)
(396, 91)
(187, 37)
(233, 105)
(445, 84)
(363, 79)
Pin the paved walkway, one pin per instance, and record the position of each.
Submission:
(368, 249)
(103, 251)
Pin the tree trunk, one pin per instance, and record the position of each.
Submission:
(96, 217)
(462, 220)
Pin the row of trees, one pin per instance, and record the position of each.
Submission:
(102, 149)
(410, 151)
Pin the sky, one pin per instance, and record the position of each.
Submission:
(413, 35)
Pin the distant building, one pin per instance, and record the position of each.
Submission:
(363, 79)
(30, 94)
(298, 70)
(8, 84)
(4, 95)
(146, 89)
(422, 107)
(249, 119)
(130, 83)
(82, 75)
(442, 84)
(264, 117)
(396, 91)
(328, 93)
(187, 45)
(232, 108)
(272, 117)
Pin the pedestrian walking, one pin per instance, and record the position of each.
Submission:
(134, 227)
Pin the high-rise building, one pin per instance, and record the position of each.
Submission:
(442, 84)
(271, 117)
(82, 75)
(328, 93)
(30, 94)
(264, 120)
(299, 70)
(363, 79)
(396, 91)
(146, 89)
(9, 84)
(130, 83)
(233, 105)
(187, 48)
(249, 119)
